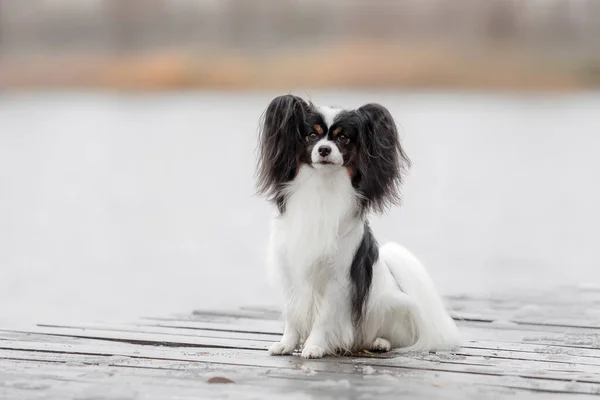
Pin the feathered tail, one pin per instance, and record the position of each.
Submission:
(433, 327)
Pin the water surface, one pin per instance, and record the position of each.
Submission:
(115, 206)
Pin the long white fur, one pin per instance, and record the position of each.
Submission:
(311, 249)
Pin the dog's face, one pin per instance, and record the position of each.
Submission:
(364, 141)
(329, 138)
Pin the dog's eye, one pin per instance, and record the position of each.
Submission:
(312, 137)
(343, 139)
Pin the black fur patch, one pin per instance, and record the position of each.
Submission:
(381, 159)
(280, 145)
(361, 273)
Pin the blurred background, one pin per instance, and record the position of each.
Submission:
(233, 44)
(128, 130)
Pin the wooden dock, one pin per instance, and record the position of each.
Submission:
(543, 347)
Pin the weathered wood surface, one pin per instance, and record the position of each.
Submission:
(546, 347)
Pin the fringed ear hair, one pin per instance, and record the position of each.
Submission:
(382, 161)
(280, 135)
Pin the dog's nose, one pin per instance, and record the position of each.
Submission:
(324, 151)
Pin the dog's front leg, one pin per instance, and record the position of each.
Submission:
(289, 341)
(332, 329)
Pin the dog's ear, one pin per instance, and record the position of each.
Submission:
(381, 159)
(280, 137)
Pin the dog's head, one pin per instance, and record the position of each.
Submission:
(364, 141)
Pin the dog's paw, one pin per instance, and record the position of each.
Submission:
(313, 352)
(381, 344)
(281, 348)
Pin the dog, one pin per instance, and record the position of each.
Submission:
(326, 169)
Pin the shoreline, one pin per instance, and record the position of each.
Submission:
(356, 66)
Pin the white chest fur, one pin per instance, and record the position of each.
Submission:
(320, 210)
(314, 240)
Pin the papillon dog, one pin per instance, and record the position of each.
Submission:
(325, 169)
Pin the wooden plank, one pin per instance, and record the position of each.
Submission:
(268, 339)
(276, 385)
(235, 324)
(280, 363)
(470, 331)
(73, 381)
(318, 382)
(153, 339)
(156, 339)
(320, 370)
(447, 362)
(166, 330)
(555, 309)
(564, 307)
(490, 351)
(581, 371)
(539, 356)
(509, 350)
(276, 325)
(536, 345)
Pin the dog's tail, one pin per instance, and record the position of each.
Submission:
(433, 328)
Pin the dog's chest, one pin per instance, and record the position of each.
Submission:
(320, 209)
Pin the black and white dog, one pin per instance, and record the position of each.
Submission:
(325, 169)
